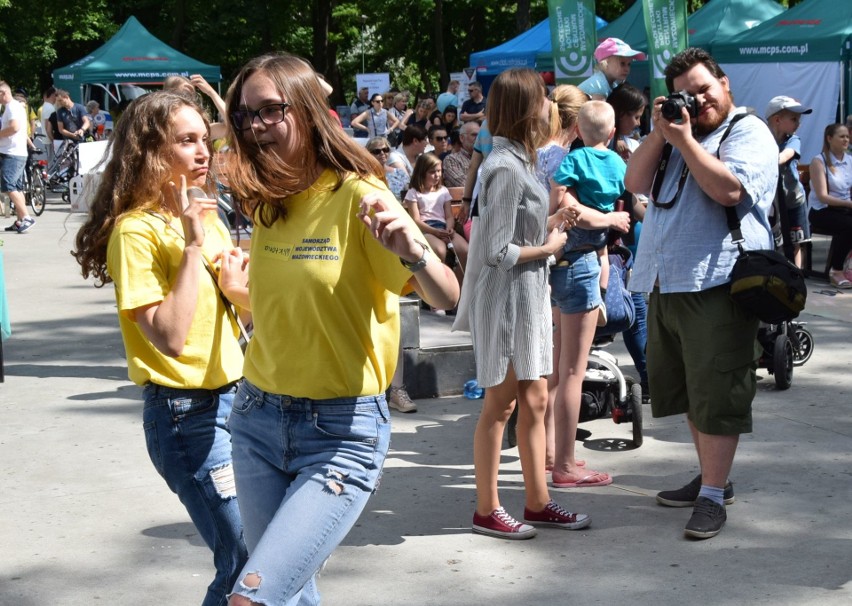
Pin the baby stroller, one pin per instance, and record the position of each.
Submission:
(64, 165)
(784, 346)
(787, 344)
(606, 390)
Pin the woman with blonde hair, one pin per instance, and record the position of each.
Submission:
(331, 251)
(566, 101)
(510, 314)
(171, 259)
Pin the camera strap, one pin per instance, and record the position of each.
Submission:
(661, 174)
(684, 173)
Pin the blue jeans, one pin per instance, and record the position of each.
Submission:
(305, 470)
(636, 337)
(189, 444)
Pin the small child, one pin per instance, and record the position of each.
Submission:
(431, 206)
(614, 57)
(783, 115)
(594, 176)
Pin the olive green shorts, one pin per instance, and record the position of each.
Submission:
(702, 357)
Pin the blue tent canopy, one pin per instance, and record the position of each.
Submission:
(531, 49)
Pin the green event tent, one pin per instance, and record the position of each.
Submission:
(805, 53)
(718, 20)
(132, 56)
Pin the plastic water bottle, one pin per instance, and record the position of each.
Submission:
(472, 390)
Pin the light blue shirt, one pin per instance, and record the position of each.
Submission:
(445, 99)
(596, 84)
(688, 248)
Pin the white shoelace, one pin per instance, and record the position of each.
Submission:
(504, 517)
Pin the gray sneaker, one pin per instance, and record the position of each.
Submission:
(686, 496)
(707, 519)
(400, 400)
(25, 224)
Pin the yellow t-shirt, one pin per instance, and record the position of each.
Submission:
(324, 297)
(143, 256)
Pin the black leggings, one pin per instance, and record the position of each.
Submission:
(838, 223)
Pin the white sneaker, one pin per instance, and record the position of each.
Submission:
(400, 400)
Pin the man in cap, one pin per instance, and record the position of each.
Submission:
(783, 115)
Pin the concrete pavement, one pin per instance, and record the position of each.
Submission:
(86, 519)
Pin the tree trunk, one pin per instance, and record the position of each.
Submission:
(522, 18)
(438, 37)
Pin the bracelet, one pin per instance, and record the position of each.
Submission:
(420, 263)
(468, 200)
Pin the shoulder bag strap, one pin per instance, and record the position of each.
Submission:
(730, 211)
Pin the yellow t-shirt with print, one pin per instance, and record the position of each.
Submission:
(324, 297)
(143, 257)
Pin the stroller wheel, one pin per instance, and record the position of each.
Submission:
(803, 345)
(782, 362)
(635, 395)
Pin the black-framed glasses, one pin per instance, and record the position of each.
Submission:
(380, 150)
(268, 114)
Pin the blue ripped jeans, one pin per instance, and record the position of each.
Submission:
(305, 470)
(190, 446)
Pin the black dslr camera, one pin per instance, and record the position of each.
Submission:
(672, 106)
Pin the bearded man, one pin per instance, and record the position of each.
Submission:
(701, 348)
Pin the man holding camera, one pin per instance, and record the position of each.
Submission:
(702, 347)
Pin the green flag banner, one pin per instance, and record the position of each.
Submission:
(665, 25)
(573, 39)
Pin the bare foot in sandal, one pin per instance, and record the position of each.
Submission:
(584, 478)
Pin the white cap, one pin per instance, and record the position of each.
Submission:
(776, 104)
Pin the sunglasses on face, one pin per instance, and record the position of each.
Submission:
(377, 101)
(380, 150)
(439, 138)
(268, 114)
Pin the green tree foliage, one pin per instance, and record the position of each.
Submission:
(419, 42)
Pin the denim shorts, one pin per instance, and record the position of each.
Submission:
(436, 224)
(575, 282)
(12, 172)
(304, 472)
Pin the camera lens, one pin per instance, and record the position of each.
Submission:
(671, 108)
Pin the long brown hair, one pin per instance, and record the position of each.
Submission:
(423, 164)
(514, 109)
(263, 180)
(138, 168)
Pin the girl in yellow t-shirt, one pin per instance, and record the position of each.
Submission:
(166, 256)
(310, 424)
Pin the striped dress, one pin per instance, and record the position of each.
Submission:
(510, 307)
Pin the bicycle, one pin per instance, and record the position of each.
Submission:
(34, 190)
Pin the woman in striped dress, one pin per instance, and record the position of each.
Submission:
(510, 313)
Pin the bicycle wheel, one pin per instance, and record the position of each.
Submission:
(35, 192)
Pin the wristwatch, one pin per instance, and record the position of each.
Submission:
(420, 263)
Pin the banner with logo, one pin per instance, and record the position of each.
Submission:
(573, 39)
(665, 25)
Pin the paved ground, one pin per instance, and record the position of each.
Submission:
(86, 519)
